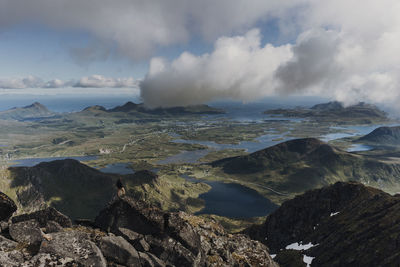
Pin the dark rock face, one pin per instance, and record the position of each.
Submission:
(178, 238)
(352, 224)
(27, 232)
(7, 207)
(118, 250)
(43, 217)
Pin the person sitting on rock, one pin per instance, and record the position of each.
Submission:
(121, 189)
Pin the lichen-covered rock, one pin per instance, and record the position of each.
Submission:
(75, 245)
(149, 260)
(52, 227)
(118, 250)
(7, 244)
(12, 258)
(178, 238)
(7, 207)
(44, 216)
(27, 232)
(51, 260)
(9, 256)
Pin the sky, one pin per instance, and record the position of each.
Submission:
(184, 52)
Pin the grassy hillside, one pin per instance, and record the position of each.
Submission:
(298, 165)
(81, 191)
(387, 136)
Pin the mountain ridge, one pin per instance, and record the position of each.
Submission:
(347, 224)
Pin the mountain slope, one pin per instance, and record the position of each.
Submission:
(36, 110)
(389, 136)
(298, 165)
(70, 186)
(81, 191)
(352, 224)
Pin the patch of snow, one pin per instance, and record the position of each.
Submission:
(300, 246)
(273, 256)
(307, 260)
(334, 213)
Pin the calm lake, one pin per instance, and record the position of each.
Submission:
(233, 200)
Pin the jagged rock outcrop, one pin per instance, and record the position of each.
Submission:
(346, 224)
(135, 234)
(178, 238)
(44, 217)
(7, 207)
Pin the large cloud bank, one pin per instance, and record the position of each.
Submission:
(346, 50)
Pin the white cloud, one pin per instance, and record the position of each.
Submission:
(99, 81)
(20, 83)
(238, 68)
(94, 81)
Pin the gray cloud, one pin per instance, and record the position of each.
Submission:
(137, 27)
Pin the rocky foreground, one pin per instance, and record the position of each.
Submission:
(345, 224)
(125, 233)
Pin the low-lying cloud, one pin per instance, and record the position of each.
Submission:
(238, 68)
(94, 81)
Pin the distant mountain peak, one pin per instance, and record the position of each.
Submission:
(95, 108)
(36, 105)
(35, 110)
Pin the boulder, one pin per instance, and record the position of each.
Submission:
(149, 260)
(137, 216)
(27, 232)
(75, 245)
(44, 216)
(7, 207)
(118, 250)
(46, 259)
(12, 258)
(52, 227)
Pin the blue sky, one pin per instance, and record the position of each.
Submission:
(40, 51)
